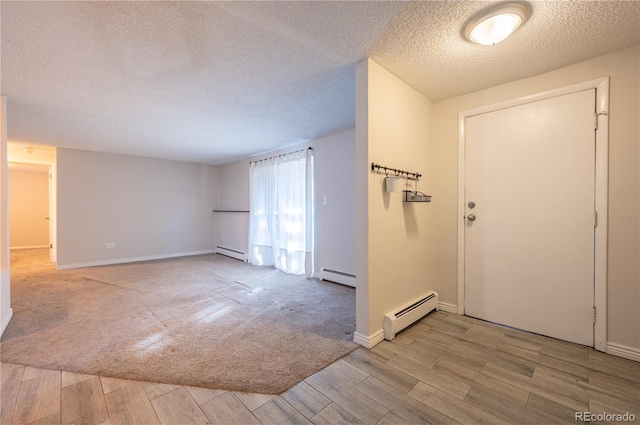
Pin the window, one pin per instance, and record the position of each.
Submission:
(281, 224)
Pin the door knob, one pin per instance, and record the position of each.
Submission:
(471, 217)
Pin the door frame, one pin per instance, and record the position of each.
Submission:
(53, 203)
(601, 85)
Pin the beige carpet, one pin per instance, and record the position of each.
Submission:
(206, 321)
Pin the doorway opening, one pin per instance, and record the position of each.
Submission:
(32, 201)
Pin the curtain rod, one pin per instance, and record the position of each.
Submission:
(282, 154)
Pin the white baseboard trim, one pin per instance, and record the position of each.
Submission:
(630, 353)
(368, 341)
(448, 308)
(5, 321)
(337, 276)
(133, 259)
(28, 247)
(228, 252)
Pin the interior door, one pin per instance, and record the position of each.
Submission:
(530, 216)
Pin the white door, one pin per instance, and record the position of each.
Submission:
(529, 253)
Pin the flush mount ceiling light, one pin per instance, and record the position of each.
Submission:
(492, 25)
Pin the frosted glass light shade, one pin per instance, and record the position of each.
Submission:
(492, 25)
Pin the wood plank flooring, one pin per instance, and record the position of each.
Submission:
(445, 369)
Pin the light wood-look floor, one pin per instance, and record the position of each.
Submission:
(446, 369)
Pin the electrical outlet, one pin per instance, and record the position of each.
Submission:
(325, 201)
(111, 245)
(224, 239)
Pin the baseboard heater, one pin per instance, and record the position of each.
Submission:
(399, 319)
(338, 277)
(238, 255)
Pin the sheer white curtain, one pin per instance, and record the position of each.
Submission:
(281, 227)
(262, 226)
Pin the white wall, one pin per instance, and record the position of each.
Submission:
(334, 179)
(29, 206)
(334, 159)
(149, 208)
(5, 287)
(233, 227)
(37, 154)
(394, 240)
(624, 208)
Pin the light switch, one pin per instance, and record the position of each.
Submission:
(324, 200)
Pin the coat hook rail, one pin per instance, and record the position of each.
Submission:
(381, 169)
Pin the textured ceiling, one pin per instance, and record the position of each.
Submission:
(213, 81)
